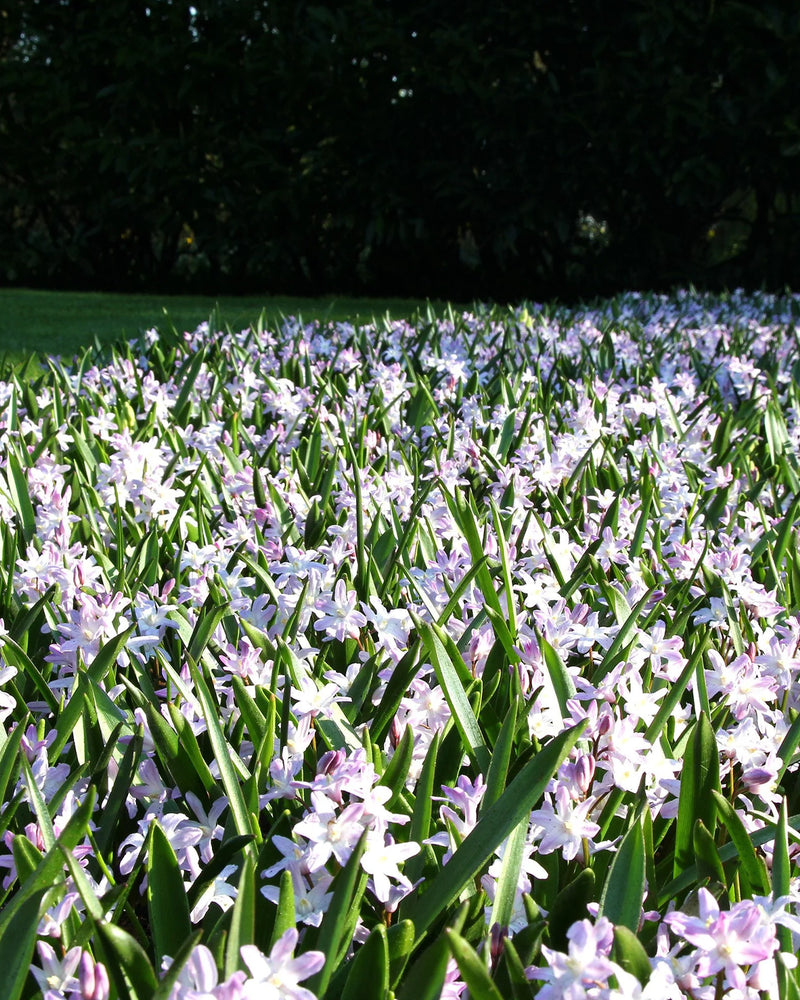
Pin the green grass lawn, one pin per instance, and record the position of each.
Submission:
(64, 322)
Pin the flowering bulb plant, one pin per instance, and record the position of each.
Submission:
(406, 659)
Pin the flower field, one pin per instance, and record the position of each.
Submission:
(406, 660)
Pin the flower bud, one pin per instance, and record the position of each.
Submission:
(584, 772)
(93, 979)
(497, 943)
(330, 761)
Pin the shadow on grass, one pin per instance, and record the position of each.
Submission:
(63, 323)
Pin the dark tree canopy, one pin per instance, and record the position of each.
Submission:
(568, 147)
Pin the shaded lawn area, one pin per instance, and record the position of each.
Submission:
(62, 323)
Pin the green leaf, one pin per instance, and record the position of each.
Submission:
(27, 857)
(192, 753)
(510, 976)
(243, 918)
(397, 769)
(492, 828)
(699, 779)
(107, 655)
(20, 498)
(501, 758)
(508, 880)
(179, 960)
(788, 746)
(14, 654)
(127, 962)
(223, 855)
(10, 757)
(39, 806)
(630, 954)
(425, 977)
(788, 988)
(709, 865)
(419, 827)
(183, 403)
(675, 693)
(563, 685)
(464, 514)
(166, 896)
(254, 718)
(244, 823)
(211, 614)
(368, 978)
(621, 638)
(400, 942)
(93, 905)
(623, 892)
(172, 753)
(751, 866)
(334, 728)
(570, 905)
(781, 870)
(453, 688)
(505, 564)
(17, 941)
(331, 934)
(285, 917)
(50, 869)
(472, 968)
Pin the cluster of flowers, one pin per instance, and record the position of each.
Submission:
(307, 482)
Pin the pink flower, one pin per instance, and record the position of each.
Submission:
(380, 860)
(585, 965)
(338, 616)
(331, 834)
(728, 940)
(564, 825)
(275, 977)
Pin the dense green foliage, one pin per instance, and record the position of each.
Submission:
(385, 147)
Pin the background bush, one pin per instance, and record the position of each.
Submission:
(383, 147)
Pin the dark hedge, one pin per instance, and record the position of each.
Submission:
(504, 150)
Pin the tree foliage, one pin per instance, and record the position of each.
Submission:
(384, 146)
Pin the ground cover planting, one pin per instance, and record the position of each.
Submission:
(418, 659)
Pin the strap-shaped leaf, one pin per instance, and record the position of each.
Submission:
(285, 916)
(630, 954)
(397, 769)
(368, 978)
(17, 941)
(27, 857)
(128, 963)
(345, 889)
(709, 865)
(222, 857)
(623, 892)
(51, 866)
(781, 870)
(508, 881)
(497, 774)
(472, 968)
(13, 653)
(179, 960)
(20, 498)
(166, 896)
(492, 828)
(699, 779)
(400, 942)
(243, 918)
(451, 683)
(425, 977)
(222, 752)
(751, 867)
(570, 905)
